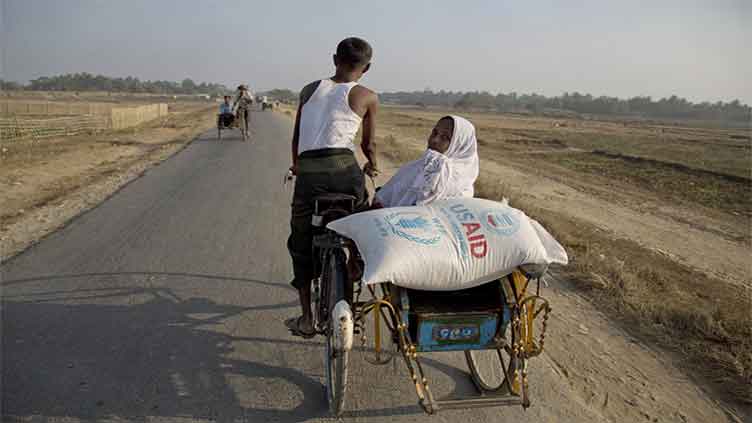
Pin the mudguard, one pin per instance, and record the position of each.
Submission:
(342, 326)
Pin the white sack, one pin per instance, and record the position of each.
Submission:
(449, 244)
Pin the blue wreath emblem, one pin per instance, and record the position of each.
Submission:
(414, 227)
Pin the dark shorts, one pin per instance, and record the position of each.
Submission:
(319, 172)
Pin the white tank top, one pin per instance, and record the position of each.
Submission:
(326, 120)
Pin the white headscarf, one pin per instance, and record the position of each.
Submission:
(436, 176)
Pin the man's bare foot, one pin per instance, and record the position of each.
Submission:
(300, 326)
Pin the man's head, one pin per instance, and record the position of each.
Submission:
(227, 99)
(353, 55)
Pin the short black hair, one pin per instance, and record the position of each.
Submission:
(354, 52)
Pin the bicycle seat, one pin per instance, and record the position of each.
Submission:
(334, 197)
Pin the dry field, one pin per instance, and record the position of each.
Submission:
(44, 182)
(656, 219)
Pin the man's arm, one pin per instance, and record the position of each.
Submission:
(369, 134)
(305, 94)
(295, 140)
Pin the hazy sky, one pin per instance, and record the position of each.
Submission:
(696, 49)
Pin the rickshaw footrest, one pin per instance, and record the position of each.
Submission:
(478, 401)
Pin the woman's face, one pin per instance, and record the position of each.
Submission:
(441, 136)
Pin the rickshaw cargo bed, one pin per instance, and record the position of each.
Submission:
(462, 320)
(449, 244)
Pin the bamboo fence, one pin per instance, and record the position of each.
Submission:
(95, 118)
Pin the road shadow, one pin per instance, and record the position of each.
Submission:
(156, 358)
(42, 278)
(64, 355)
(162, 356)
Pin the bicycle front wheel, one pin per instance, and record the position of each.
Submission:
(335, 271)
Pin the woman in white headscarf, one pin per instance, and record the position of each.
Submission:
(448, 168)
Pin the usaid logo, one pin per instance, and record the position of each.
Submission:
(415, 227)
(503, 223)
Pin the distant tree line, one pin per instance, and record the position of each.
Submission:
(88, 82)
(666, 108)
(283, 95)
(9, 85)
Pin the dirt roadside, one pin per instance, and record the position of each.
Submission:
(45, 183)
(679, 233)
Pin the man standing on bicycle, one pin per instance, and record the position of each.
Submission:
(242, 105)
(329, 116)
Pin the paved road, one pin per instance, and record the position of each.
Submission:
(167, 302)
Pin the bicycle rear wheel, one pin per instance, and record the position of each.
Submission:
(335, 272)
(491, 370)
(494, 370)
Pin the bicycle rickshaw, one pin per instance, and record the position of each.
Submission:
(499, 325)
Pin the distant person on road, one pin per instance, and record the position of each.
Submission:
(242, 104)
(225, 112)
(448, 168)
(329, 116)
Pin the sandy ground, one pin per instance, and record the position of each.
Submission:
(687, 236)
